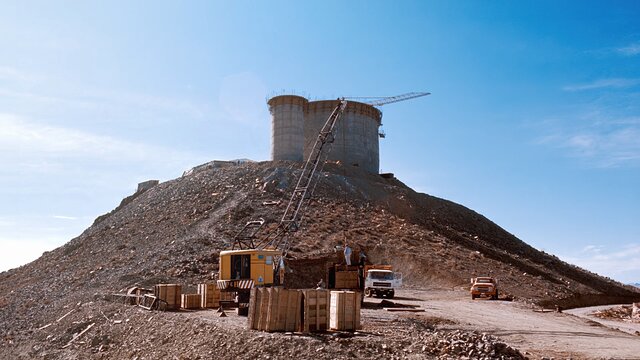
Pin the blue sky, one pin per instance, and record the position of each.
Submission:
(534, 120)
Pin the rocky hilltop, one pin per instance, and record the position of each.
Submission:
(172, 233)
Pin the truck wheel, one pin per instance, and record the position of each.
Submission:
(367, 292)
(495, 297)
(391, 294)
(473, 297)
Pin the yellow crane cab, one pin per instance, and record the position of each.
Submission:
(248, 264)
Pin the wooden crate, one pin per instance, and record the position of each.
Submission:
(345, 310)
(227, 295)
(210, 296)
(315, 310)
(190, 301)
(347, 280)
(169, 293)
(283, 310)
(274, 309)
(256, 308)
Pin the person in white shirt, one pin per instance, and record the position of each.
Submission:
(347, 254)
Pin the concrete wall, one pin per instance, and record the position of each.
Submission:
(356, 132)
(287, 127)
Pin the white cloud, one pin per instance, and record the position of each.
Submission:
(592, 249)
(620, 263)
(603, 83)
(603, 134)
(604, 147)
(64, 217)
(27, 139)
(629, 50)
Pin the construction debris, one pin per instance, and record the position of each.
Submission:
(78, 335)
(623, 312)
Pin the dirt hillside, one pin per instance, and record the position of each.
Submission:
(172, 233)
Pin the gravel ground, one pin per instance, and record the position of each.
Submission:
(173, 232)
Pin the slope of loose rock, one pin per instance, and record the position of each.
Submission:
(174, 231)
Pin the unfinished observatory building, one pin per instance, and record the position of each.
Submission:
(296, 122)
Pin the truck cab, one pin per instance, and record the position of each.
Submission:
(380, 280)
(484, 286)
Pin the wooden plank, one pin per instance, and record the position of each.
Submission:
(254, 308)
(65, 315)
(80, 334)
(404, 309)
(264, 306)
(272, 309)
(289, 308)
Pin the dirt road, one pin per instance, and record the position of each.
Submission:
(550, 334)
(586, 312)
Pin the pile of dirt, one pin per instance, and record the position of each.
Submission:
(622, 312)
(173, 232)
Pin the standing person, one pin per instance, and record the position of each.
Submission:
(363, 258)
(347, 254)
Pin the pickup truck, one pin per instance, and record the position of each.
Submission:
(484, 286)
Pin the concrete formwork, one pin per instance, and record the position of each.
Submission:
(296, 123)
(356, 133)
(287, 127)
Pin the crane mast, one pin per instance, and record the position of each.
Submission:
(294, 212)
(252, 263)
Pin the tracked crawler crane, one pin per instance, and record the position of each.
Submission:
(254, 261)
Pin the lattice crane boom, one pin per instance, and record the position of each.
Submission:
(383, 100)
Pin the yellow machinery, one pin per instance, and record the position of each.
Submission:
(249, 264)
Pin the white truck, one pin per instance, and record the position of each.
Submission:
(380, 280)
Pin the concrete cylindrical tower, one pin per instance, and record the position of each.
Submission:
(356, 133)
(287, 127)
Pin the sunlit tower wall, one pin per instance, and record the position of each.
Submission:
(356, 133)
(287, 127)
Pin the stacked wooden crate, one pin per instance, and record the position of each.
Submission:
(345, 310)
(191, 301)
(315, 309)
(170, 294)
(257, 308)
(347, 280)
(210, 296)
(227, 295)
(274, 309)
